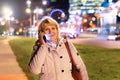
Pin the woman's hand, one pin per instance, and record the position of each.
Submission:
(41, 38)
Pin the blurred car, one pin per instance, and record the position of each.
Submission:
(69, 35)
(92, 30)
(116, 35)
(72, 36)
(111, 37)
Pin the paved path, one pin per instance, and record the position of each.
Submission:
(9, 68)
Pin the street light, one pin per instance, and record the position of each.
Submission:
(7, 13)
(28, 10)
(8, 16)
(44, 2)
(37, 12)
(28, 2)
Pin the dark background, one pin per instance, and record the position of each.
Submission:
(18, 6)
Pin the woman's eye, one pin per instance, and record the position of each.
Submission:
(46, 29)
(53, 28)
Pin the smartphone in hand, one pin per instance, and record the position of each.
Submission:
(44, 38)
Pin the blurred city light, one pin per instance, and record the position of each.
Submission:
(83, 14)
(38, 11)
(7, 11)
(28, 2)
(28, 10)
(2, 22)
(44, 2)
(119, 14)
(12, 18)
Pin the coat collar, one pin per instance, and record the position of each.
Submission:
(54, 46)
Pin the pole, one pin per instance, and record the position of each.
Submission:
(30, 20)
(30, 24)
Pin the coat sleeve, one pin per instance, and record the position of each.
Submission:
(38, 60)
(78, 62)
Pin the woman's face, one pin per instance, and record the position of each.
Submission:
(52, 30)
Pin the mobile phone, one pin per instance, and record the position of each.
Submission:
(44, 38)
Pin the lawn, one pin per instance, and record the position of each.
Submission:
(101, 63)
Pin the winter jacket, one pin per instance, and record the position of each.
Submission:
(53, 63)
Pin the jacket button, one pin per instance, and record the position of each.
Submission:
(61, 56)
(60, 45)
(62, 70)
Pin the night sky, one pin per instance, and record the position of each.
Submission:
(17, 6)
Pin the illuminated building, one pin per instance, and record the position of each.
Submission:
(81, 7)
(87, 9)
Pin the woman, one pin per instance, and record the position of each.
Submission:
(50, 59)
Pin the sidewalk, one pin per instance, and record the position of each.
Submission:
(9, 68)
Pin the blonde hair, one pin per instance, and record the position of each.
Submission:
(47, 20)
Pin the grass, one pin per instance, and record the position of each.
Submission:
(22, 48)
(101, 63)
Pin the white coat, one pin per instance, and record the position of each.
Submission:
(54, 63)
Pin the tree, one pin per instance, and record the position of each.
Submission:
(4, 28)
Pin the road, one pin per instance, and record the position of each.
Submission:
(98, 41)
